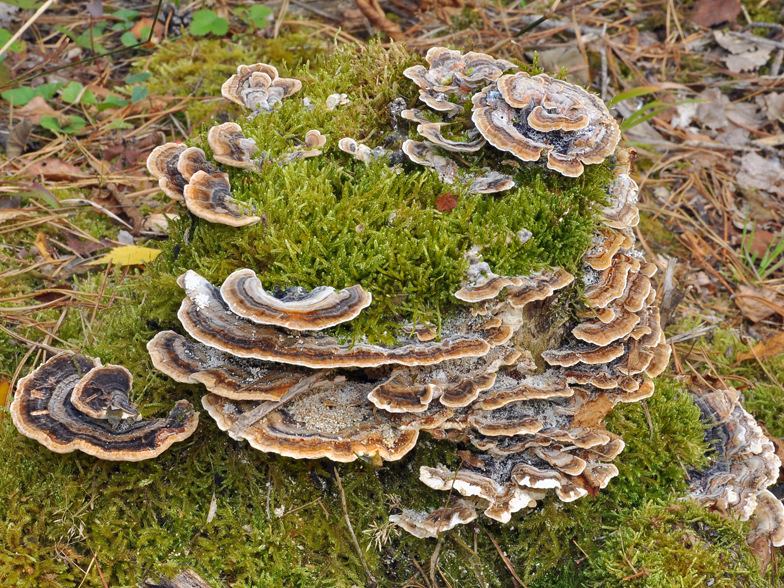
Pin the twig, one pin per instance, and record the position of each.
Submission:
(434, 560)
(505, 559)
(475, 561)
(758, 40)
(371, 580)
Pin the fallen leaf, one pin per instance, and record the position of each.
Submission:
(709, 13)
(774, 105)
(758, 242)
(53, 294)
(157, 223)
(35, 109)
(45, 247)
(765, 349)
(592, 412)
(17, 138)
(85, 248)
(52, 169)
(127, 255)
(759, 173)
(733, 44)
(446, 202)
(748, 61)
(569, 57)
(146, 23)
(757, 304)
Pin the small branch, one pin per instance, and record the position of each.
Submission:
(371, 580)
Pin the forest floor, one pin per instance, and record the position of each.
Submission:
(698, 84)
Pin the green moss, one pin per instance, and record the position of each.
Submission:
(663, 546)
(327, 221)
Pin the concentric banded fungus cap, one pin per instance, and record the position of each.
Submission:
(162, 164)
(622, 211)
(103, 394)
(209, 197)
(453, 74)
(42, 410)
(358, 150)
(193, 160)
(491, 183)
(207, 318)
(422, 524)
(327, 419)
(258, 87)
(528, 116)
(504, 498)
(297, 309)
(230, 146)
(221, 373)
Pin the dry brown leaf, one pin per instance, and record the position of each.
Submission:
(592, 412)
(35, 109)
(17, 138)
(709, 13)
(446, 202)
(45, 247)
(757, 304)
(765, 349)
(760, 173)
(52, 169)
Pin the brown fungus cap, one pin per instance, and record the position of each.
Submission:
(452, 77)
(504, 498)
(568, 357)
(230, 146)
(424, 154)
(622, 211)
(209, 197)
(612, 281)
(103, 394)
(221, 373)
(162, 164)
(400, 394)
(599, 333)
(358, 150)
(606, 244)
(193, 160)
(42, 410)
(295, 308)
(207, 318)
(538, 286)
(529, 116)
(423, 524)
(491, 183)
(258, 87)
(333, 421)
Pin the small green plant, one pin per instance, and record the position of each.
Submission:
(770, 261)
(206, 21)
(257, 15)
(73, 125)
(76, 93)
(17, 46)
(21, 96)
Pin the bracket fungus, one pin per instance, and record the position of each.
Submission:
(258, 87)
(521, 371)
(185, 173)
(73, 402)
(531, 115)
(209, 197)
(743, 465)
(452, 75)
(438, 521)
(294, 308)
(230, 146)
